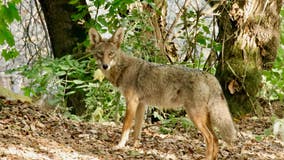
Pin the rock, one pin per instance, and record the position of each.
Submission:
(278, 128)
(11, 97)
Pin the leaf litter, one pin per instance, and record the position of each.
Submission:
(31, 132)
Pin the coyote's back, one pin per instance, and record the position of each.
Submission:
(143, 83)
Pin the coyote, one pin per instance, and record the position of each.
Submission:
(143, 83)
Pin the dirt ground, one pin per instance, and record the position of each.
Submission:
(30, 132)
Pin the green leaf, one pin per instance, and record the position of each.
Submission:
(108, 4)
(267, 132)
(6, 35)
(102, 20)
(10, 12)
(2, 38)
(28, 91)
(282, 12)
(258, 138)
(99, 3)
(282, 37)
(201, 40)
(13, 53)
(217, 46)
(73, 2)
(71, 92)
(157, 115)
(64, 67)
(78, 81)
(61, 73)
(206, 29)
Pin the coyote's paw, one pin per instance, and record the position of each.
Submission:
(137, 143)
(118, 147)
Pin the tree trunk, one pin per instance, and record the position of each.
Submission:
(63, 32)
(249, 31)
(64, 35)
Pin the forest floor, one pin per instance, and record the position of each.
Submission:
(31, 132)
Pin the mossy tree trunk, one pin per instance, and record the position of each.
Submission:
(249, 32)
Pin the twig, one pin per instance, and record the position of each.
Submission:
(181, 11)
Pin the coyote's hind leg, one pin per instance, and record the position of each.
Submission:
(200, 118)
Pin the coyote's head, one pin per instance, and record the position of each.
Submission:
(105, 50)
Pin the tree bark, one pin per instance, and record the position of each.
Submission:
(249, 31)
(63, 32)
(64, 35)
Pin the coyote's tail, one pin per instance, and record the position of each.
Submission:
(221, 118)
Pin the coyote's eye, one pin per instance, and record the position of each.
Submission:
(111, 54)
(100, 53)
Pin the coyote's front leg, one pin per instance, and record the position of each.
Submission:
(132, 104)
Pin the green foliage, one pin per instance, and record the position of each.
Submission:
(274, 79)
(65, 76)
(173, 122)
(9, 54)
(108, 21)
(115, 10)
(137, 43)
(117, 14)
(198, 38)
(8, 13)
(266, 133)
(82, 10)
(104, 103)
(46, 71)
(282, 23)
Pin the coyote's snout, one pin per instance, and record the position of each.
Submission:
(166, 86)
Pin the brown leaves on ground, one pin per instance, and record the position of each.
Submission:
(29, 132)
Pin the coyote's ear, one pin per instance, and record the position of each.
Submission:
(117, 37)
(95, 37)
